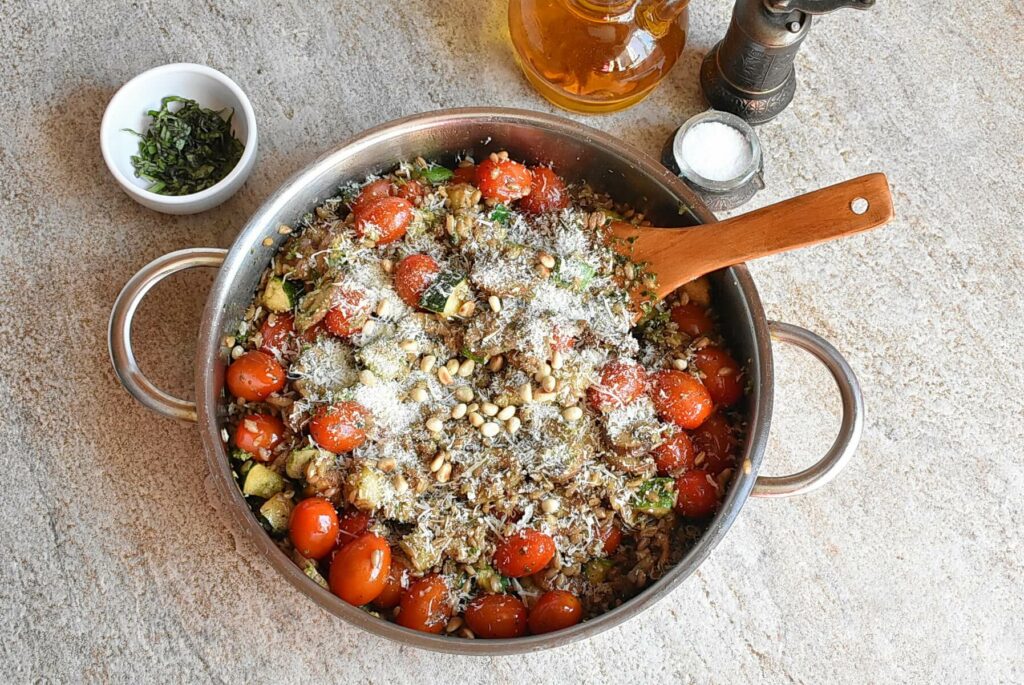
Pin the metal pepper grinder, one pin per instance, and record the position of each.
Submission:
(750, 72)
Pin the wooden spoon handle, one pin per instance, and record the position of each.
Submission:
(680, 255)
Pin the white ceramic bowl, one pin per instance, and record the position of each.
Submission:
(128, 107)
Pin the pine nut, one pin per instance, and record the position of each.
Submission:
(557, 360)
(489, 429)
(435, 425)
(452, 366)
(387, 464)
(495, 303)
(545, 370)
(496, 363)
(229, 341)
(526, 392)
(466, 368)
(427, 363)
(464, 393)
(506, 413)
(418, 394)
(367, 378)
(513, 424)
(387, 265)
(409, 346)
(237, 351)
(458, 411)
(467, 309)
(437, 463)
(476, 419)
(383, 308)
(473, 407)
(489, 408)
(572, 413)
(445, 473)
(630, 271)
(543, 396)
(547, 384)
(547, 260)
(453, 624)
(550, 505)
(400, 484)
(369, 327)
(444, 376)
(679, 364)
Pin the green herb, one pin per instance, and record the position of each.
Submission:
(240, 455)
(187, 150)
(500, 214)
(655, 497)
(434, 174)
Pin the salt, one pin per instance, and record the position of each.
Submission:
(716, 151)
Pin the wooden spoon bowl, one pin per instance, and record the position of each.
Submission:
(679, 255)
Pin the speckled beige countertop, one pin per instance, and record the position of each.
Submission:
(116, 565)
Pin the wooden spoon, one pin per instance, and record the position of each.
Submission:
(680, 255)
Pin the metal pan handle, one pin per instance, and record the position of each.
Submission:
(119, 335)
(829, 466)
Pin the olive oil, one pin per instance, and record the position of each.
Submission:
(597, 55)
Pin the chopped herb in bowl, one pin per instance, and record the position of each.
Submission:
(186, 150)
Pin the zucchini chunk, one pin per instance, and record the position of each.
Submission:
(262, 482)
(446, 294)
(596, 570)
(275, 511)
(279, 295)
(655, 497)
(295, 467)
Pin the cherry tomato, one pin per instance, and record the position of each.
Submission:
(465, 174)
(674, 455)
(352, 525)
(692, 319)
(275, 332)
(348, 314)
(716, 440)
(412, 190)
(496, 616)
(680, 398)
(385, 220)
(620, 383)
(413, 274)
(340, 427)
(696, 494)
(313, 527)
(503, 181)
(254, 376)
(524, 553)
(398, 581)
(612, 536)
(257, 434)
(359, 570)
(547, 192)
(372, 192)
(722, 375)
(425, 606)
(555, 610)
